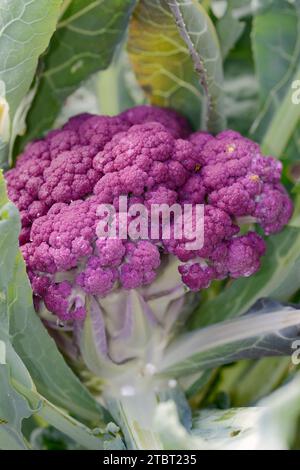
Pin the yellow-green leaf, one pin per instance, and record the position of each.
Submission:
(167, 66)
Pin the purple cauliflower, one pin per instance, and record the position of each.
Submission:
(151, 156)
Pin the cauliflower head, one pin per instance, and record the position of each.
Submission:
(151, 156)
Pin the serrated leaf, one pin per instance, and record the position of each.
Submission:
(83, 43)
(278, 278)
(270, 331)
(26, 27)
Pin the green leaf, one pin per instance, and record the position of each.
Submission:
(277, 426)
(117, 87)
(245, 382)
(161, 60)
(241, 8)
(2, 352)
(269, 331)
(198, 32)
(84, 42)
(49, 438)
(23, 392)
(271, 425)
(61, 420)
(278, 278)
(9, 230)
(26, 27)
(170, 68)
(226, 428)
(172, 433)
(241, 85)
(283, 127)
(13, 409)
(10, 440)
(26, 401)
(229, 30)
(276, 48)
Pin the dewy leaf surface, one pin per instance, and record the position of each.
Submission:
(84, 42)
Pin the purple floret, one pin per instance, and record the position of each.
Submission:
(195, 276)
(58, 299)
(149, 155)
(96, 280)
(274, 208)
(174, 122)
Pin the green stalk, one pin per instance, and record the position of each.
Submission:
(134, 414)
(107, 84)
(283, 124)
(295, 221)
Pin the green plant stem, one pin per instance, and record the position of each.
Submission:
(295, 221)
(107, 84)
(283, 124)
(134, 414)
